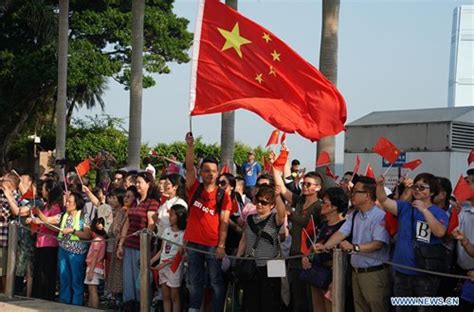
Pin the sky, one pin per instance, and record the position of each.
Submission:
(393, 55)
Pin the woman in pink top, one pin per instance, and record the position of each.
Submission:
(45, 265)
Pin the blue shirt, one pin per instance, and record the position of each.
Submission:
(404, 248)
(250, 172)
(369, 226)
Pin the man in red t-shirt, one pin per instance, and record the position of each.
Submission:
(206, 230)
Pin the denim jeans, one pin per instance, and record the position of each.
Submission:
(71, 277)
(199, 265)
(131, 274)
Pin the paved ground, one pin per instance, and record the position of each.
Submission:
(30, 304)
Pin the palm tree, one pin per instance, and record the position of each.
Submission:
(228, 124)
(328, 62)
(136, 85)
(62, 81)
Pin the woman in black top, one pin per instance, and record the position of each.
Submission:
(335, 202)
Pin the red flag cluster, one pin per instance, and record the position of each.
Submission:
(280, 162)
(240, 64)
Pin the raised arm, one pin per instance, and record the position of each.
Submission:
(286, 193)
(94, 200)
(190, 171)
(280, 207)
(387, 204)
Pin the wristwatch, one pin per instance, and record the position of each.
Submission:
(356, 248)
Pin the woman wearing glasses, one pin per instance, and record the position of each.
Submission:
(421, 225)
(305, 208)
(263, 293)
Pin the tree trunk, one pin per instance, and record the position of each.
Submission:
(62, 81)
(136, 85)
(328, 63)
(228, 125)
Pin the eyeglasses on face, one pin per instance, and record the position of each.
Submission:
(308, 184)
(421, 187)
(222, 183)
(262, 202)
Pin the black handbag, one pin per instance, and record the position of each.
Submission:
(246, 269)
(318, 275)
(428, 256)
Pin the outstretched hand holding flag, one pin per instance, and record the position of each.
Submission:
(239, 64)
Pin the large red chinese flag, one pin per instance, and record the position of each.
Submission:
(83, 168)
(239, 64)
(387, 150)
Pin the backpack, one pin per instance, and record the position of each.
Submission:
(219, 199)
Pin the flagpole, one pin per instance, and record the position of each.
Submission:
(80, 178)
(64, 178)
(309, 237)
(190, 123)
(387, 170)
(314, 227)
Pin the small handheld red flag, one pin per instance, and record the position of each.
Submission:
(83, 168)
(330, 174)
(470, 158)
(412, 165)
(323, 160)
(462, 191)
(453, 221)
(387, 150)
(357, 166)
(391, 224)
(369, 172)
(283, 138)
(280, 162)
(176, 261)
(225, 169)
(273, 139)
(266, 164)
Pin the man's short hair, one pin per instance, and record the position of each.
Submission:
(368, 185)
(295, 162)
(210, 160)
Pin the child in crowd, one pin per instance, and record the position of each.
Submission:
(95, 261)
(170, 270)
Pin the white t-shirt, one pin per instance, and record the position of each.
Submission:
(164, 213)
(170, 250)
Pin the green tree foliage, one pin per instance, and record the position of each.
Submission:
(87, 137)
(99, 49)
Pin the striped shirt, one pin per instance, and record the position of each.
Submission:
(264, 248)
(137, 220)
(5, 217)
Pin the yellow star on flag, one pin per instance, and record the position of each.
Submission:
(259, 78)
(272, 71)
(276, 56)
(233, 39)
(266, 37)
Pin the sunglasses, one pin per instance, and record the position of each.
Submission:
(421, 187)
(222, 183)
(262, 202)
(308, 184)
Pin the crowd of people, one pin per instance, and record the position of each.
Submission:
(72, 235)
